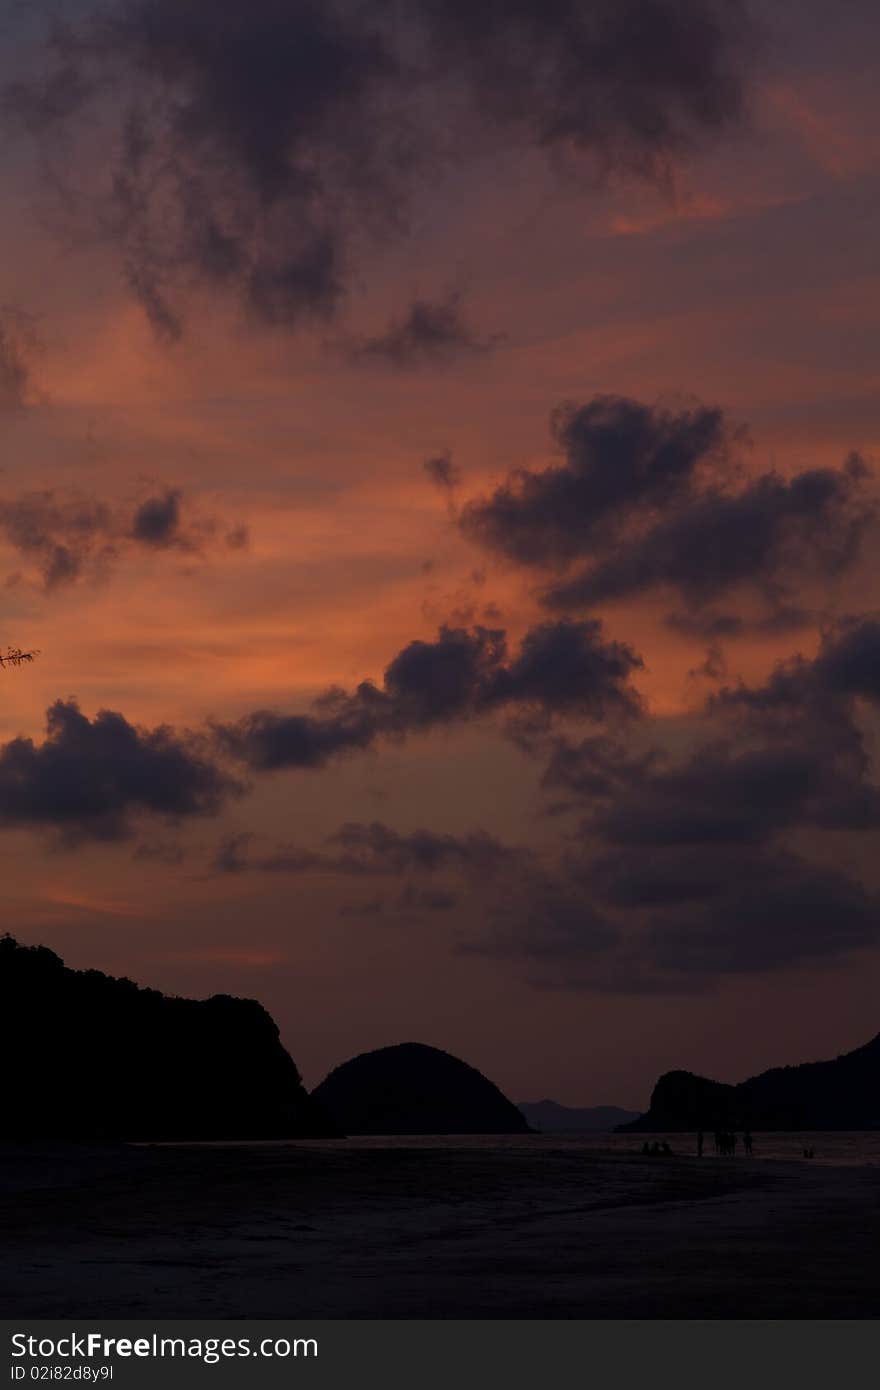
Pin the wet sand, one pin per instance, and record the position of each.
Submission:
(359, 1231)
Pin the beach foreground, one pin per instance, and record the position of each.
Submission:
(357, 1230)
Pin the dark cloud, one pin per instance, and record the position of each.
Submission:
(596, 767)
(257, 150)
(426, 900)
(157, 521)
(673, 921)
(849, 660)
(67, 535)
(818, 692)
(720, 796)
(629, 83)
(768, 760)
(695, 857)
(551, 924)
(712, 668)
(561, 668)
(389, 851)
(367, 850)
(414, 859)
(712, 625)
(15, 371)
(238, 537)
(145, 283)
(618, 456)
(765, 914)
(431, 333)
(566, 666)
(158, 851)
(771, 534)
(60, 534)
(89, 778)
(647, 498)
(443, 472)
(266, 740)
(234, 856)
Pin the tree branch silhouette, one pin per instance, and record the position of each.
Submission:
(14, 656)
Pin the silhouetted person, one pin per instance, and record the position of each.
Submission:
(665, 1149)
(699, 1143)
(646, 1148)
(747, 1142)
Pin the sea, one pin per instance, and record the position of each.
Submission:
(850, 1148)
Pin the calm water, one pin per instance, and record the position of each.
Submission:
(837, 1147)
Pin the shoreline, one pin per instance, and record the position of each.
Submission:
(342, 1229)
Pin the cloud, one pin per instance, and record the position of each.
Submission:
(89, 778)
(766, 914)
(67, 535)
(781, 618)
(771, 534)
(650, 499)
(414, 860)
(550, 923)
(431, 333)
(618, 456)
(722, 796)
(848, 662)
(596, 767)
(60, 534)
(420, 900)
(446, 477)
(157, 521)
(259, 151)
(630, 84)
(16, 382)
(690, 867)
(673, 922)
(819, 691)
(374, 850)
(389, 851)
(767, 760)
(561, 668)
(443, 473)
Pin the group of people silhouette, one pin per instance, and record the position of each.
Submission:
(725, 1142)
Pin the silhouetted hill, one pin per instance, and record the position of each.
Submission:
(550, 1117)
(414, 1089)
(840, 1094)
(87, 1056)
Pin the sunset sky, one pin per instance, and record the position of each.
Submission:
(438, 477)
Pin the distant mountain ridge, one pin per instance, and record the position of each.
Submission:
(840, 1094)
(411, 1088)
(89, 1056)
(550, 1117)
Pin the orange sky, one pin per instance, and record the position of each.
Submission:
(752, 284)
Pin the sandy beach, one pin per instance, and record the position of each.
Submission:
(349, 1230)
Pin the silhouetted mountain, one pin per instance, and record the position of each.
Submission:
(550, 1117)
(414, 1089)
(841, 1094)
(87, 1056)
